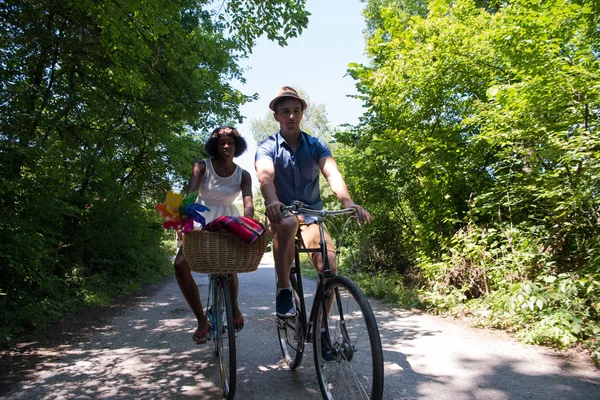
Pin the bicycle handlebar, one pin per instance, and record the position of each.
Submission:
(298, 207)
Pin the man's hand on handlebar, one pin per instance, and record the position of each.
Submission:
(276, 211)
(273, 212)
(362, 214)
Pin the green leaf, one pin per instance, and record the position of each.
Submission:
(491, 92)
(539, 303)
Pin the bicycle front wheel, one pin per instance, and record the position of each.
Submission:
(352, 366)
(225, 338)
(291, 332)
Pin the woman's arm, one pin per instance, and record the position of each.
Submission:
(198, 171)
(247, 194)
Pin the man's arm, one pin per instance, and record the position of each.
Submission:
(331, 172)
(265, 170)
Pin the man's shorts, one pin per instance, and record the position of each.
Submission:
(309, 234)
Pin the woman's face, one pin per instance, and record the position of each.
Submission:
(226, 146)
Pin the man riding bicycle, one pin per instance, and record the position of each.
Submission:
(288, 165)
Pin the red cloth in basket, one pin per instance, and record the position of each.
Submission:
(248, 229)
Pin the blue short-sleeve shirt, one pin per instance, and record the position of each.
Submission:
(296, 173)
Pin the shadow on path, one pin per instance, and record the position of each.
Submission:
(140, 348)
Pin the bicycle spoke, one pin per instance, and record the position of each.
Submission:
(356, 371)
(290, 331)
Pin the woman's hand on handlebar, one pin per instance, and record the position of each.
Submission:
(273, 212)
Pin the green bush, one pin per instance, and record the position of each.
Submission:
(112, 249)
(501, 276)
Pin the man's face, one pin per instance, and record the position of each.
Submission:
(289, 114)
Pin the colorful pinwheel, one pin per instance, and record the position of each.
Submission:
(180, 212)
(165, 214)
(173, 201)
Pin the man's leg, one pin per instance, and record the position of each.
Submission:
(310, 239)
(284, 234)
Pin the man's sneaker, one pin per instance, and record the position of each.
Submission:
(284, 304)
(326, 353)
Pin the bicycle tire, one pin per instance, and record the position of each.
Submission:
(225, 338)
(291, 332)
(356, 368)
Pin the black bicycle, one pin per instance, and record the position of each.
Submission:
(341, 320)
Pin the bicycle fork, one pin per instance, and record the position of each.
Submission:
(344, 350)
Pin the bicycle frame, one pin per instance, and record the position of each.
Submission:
(307, 324)
(344, 366)
(212, 299)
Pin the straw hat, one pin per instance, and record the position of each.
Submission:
(287, 91)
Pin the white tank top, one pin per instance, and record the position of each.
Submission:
(218, 193)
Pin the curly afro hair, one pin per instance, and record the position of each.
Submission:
(211, 145)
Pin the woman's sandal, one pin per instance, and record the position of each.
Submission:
(238, 323)
(200, 336)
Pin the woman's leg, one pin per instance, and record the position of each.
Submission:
(237, 314)
(190, 293)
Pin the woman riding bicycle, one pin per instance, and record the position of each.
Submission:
(219, 181)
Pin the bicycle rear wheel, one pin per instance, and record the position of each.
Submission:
(356, 368)
(225, 338)
(291, 332)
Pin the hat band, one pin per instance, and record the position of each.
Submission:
(289, 94)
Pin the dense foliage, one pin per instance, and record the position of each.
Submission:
(102, 109)
(479, 155)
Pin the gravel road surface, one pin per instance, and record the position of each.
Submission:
(140, 348)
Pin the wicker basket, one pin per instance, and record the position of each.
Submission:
(221, 252)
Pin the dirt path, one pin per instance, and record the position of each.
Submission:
(140, 348)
